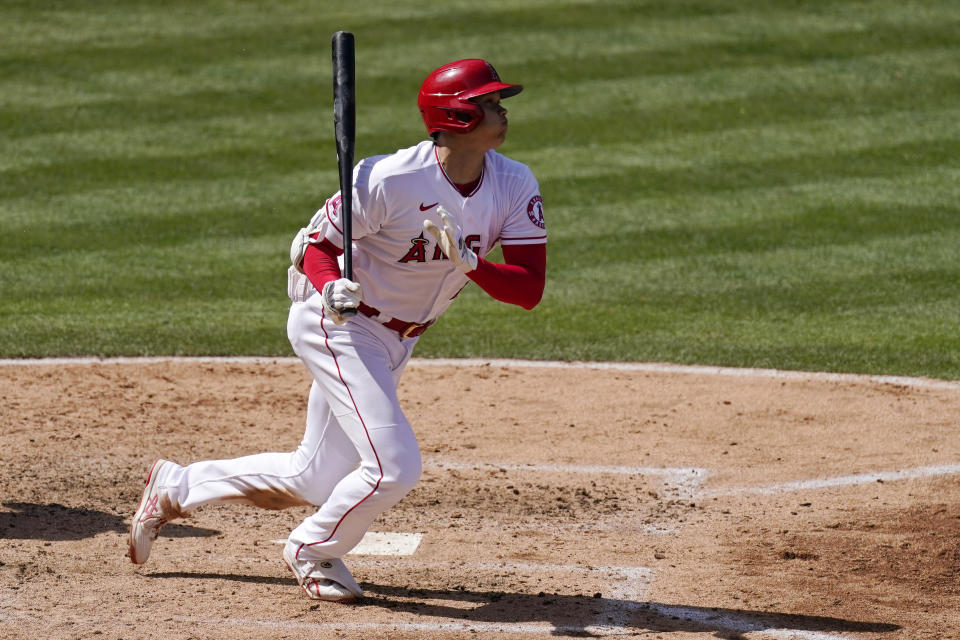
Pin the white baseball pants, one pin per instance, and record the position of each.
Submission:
(359, 455)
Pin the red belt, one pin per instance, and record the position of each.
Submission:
(405, 329)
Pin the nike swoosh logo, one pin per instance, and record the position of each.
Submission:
(427, 207)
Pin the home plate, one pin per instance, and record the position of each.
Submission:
(383, 543)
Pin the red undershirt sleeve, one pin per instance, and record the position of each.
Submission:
(320, 263)
(520, 281)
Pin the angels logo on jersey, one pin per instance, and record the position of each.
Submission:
(418, 250)
(535, 211)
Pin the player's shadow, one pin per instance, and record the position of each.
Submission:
(570, 616)
(587, 616)
(30, 521)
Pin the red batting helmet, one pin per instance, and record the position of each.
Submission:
(446, 95)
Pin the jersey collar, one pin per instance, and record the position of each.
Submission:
(483, 172)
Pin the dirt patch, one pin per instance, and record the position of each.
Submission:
(554, 502)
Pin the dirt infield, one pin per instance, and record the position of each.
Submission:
(572, 502)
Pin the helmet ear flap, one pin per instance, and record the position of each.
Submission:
(445, 97)
(470, 115)
(461, 120)
(462, 116)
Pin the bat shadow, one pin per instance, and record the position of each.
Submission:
(31, 521)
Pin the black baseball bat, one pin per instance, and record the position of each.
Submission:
(345, 130)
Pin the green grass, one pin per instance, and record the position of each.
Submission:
(755, 183)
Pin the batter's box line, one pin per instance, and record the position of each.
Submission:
(683, 482)
(703, 370)
(916, 473)
(382, 543)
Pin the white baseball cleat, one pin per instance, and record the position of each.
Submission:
(149, 518)
(328, 580)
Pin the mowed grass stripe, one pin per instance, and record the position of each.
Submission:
(115, 31)
(725, 182)
(119, 202)
(55, 177)
(759, 141)
(641, 110)
(680, 153)
(880, 160)
(814, 228)
(669, 120)
(709, 97)
(292, 82)
(891, 161)
(63, 26)
(178, 53)
(181, 56)
(195, 327)
(217, 222)
(579, 228)
(108, 28)
(195, 267)
(785, 280)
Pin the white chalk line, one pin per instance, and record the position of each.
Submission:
(688, 481)
(658, 367)
(649, 367)
(736, 623)
(841, 481)
(382, 543)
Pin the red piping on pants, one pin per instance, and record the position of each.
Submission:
(326, 340)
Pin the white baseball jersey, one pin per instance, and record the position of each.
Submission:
(401, 269)
(359, 454)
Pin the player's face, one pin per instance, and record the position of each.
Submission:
(492, 130)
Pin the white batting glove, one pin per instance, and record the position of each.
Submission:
(340, 299)
(450, 239)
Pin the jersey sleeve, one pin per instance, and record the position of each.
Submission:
(524, 223)
(368, 208)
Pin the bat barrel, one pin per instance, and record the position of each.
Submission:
(344, 119)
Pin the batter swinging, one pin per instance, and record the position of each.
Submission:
(422, 219)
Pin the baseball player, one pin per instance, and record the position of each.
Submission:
(422, 220)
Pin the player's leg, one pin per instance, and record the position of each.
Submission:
(269, 480)
(358, 366)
